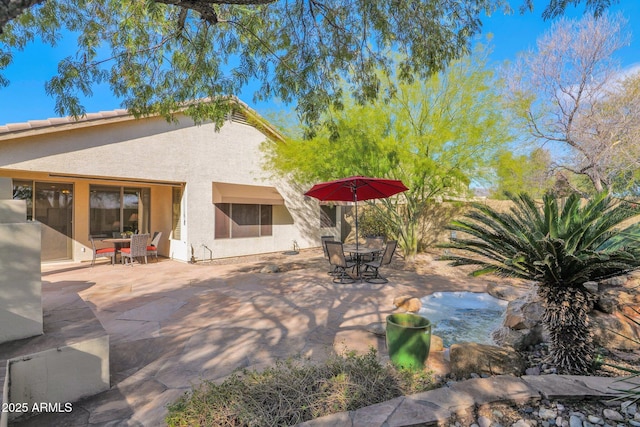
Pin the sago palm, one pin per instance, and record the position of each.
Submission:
(560, 245)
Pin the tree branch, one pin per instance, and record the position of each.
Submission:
(205, 7)
(10, 9)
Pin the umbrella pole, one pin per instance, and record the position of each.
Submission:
(355, 200)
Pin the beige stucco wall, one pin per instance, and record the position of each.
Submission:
(153, 150)
(20, 283)
(60, 375)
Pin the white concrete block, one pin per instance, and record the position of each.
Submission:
(20, 281)
(60, 376)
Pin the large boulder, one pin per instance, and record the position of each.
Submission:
(614, 330)
(616, 305)
(436, 343)
(407, 303)
(522, 325)
(524, 312)
(519, 339)
(613, 299)
(505, 292)
(468, 358)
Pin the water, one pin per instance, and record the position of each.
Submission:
(463, 316)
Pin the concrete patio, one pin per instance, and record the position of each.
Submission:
(172, 324)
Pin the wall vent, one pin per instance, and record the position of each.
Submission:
(239, 117)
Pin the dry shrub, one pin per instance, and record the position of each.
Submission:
(294, 391)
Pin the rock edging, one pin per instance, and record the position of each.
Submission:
(439, 405)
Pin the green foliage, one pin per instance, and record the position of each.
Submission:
(558, 244)
(373, 222)
(157, 55)
(435, 135)
(295, 391)
(517, 173)
(561, 245)
(556, 8)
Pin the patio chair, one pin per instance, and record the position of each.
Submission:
(339, 262)
(137, 249)
(323, 240)
(373, 242)
(152, 248)
(102, 252)
(372, 269)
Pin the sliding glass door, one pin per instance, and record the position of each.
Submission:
(114, 210)
(51, 204)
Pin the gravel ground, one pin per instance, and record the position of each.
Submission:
(552, 413)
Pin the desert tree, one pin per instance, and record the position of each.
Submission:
(157, 55)
(436, 135)
(569, 93)
(515, 172)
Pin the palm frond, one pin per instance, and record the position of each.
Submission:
(563, 243)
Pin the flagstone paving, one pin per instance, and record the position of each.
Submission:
(172, 325)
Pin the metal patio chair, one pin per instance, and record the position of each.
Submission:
(323, 240)
(372, 269)
(339, 262)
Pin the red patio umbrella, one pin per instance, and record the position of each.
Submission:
(356, 188)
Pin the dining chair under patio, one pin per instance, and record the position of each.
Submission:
(373, 242)
(339, 262)
(109, 252)
(323, 240)
(152, 248)
(371, 273)
(137, 249)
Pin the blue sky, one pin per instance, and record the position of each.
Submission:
(25, 98)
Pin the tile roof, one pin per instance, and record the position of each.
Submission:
(35, 127)
(32, 126)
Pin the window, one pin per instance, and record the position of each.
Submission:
(113, 210)
(23, 190)
(328, 215)
(176, 211)
(238, 220)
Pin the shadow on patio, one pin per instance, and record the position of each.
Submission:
(172, 324)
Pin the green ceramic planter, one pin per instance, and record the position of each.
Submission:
(408, 340)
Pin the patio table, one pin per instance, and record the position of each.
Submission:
(360, 252)
(118, 242)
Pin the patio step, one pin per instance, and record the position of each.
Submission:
(68, 362)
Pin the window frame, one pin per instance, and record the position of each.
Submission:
(125, 218)
(227, 221)
(328, 219)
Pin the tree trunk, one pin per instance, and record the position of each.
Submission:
(11, 9)
(408, 240)
(566, 318)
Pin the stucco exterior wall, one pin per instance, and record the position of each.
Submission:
(156, 154)
(20, 283)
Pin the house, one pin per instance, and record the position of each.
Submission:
(206, 190)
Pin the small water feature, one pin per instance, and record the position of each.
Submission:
(463, 316)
